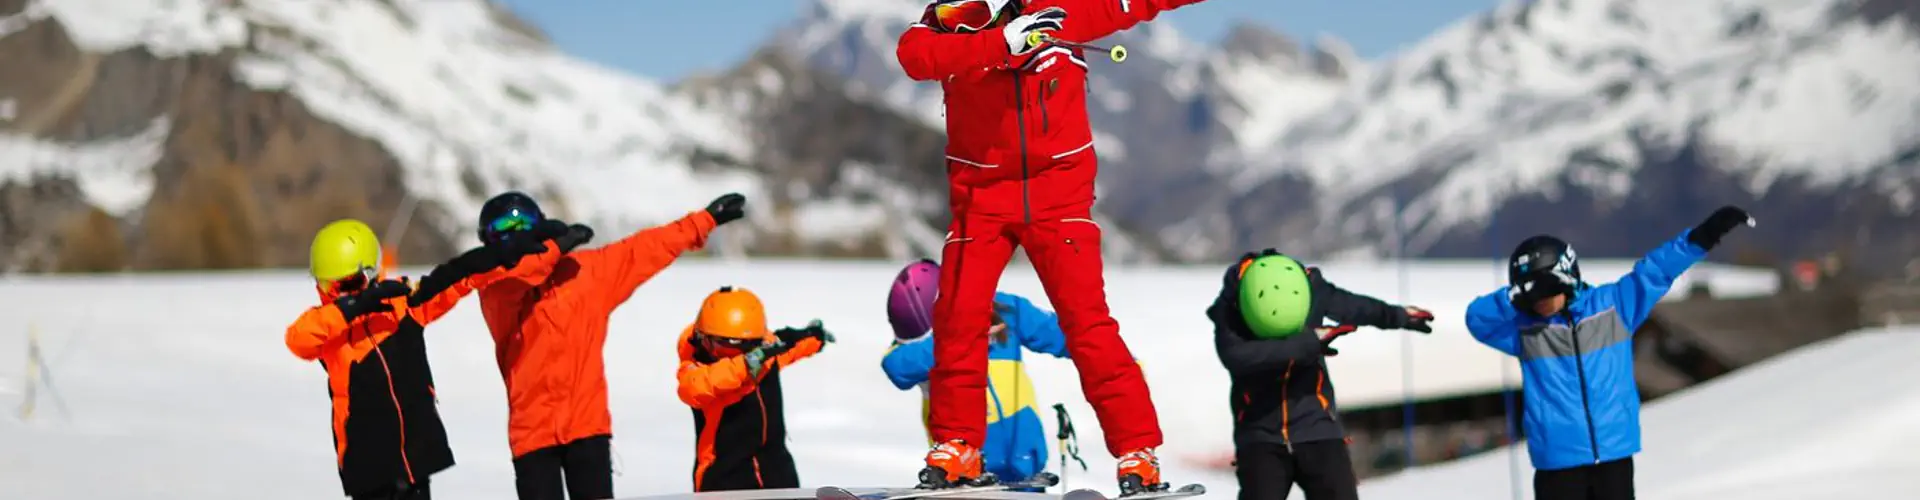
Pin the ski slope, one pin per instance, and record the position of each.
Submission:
(1835, 420)
(180, 385)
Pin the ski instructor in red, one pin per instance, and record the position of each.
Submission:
(1020, 171)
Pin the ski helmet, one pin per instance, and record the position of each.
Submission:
(344, 249)
(1546, 265)
(910, 302)
(507, 213)
(1274, 296)
(732, 315)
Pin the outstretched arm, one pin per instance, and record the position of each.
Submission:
(1492, 320)
(907, 364)
(625, 264)
(1089, 20)
(316, 331)
(1350, 308)
(1636, 293)
(1243, 355)
(929, 55)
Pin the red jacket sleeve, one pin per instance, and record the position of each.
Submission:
(534, 266)
(928, 55)
(1089, 20)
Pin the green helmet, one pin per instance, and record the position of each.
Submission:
(344, 248)
(1274, 296)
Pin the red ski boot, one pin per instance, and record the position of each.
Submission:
(1139, 472)
(952, 464)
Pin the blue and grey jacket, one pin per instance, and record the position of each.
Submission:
(1016, 446)
(1582, 405)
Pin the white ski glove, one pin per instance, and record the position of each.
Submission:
(1020, 28)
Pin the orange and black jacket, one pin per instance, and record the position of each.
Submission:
(742, 443)
(1281, 394)
(549, 330)
(386, 429)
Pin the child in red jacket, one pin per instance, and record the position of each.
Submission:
(1021, 169)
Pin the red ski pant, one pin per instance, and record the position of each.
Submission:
(1065, 251)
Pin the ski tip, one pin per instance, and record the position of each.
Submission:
(1045, 479)
(1751, 222)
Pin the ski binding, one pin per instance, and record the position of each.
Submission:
(1190, 490)
(1041, 480)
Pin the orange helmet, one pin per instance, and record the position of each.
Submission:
(732, 313)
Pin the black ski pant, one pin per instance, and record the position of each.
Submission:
(1602, 481)
(585, 464)
(1323, 469)
(415, 491)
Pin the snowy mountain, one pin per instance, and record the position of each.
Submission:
(1588, 118)
(218, 133)
(1599, 118)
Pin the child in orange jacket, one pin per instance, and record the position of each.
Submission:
(367, 333)
(730, 375)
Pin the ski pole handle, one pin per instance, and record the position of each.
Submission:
(1117, 53)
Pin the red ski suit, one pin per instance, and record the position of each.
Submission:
(1020, 169)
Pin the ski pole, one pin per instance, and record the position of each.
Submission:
(1118, 53)
(1069, 442)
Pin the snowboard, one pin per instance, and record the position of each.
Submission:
(1191, 490)
(1041, 480)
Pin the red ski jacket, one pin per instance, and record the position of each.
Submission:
(1013, 118)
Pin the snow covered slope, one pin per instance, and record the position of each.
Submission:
(182, 387)
(1751, 435)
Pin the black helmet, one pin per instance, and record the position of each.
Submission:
(1544, 265)
(508, 212)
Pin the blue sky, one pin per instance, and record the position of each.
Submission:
(670, 39)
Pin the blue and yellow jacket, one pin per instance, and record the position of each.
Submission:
(1016, 446)
(1582, 405)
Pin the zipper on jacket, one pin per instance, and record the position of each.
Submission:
(399, 414)
(1286, 409)
(1580, 367)
(1020, 117)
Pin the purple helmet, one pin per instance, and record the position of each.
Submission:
(910, 302)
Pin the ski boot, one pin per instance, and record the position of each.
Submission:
(954, 464)
(1139, 472)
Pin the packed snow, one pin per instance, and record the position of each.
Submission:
(180, 386)
(1833, 420)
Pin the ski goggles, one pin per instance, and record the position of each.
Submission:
(963, 16)
(351, 284)
(502, 228)
(728, 342)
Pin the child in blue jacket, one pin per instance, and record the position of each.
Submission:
(1016, 446)
(1574, 341)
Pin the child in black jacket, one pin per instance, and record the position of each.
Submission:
(1268, 331)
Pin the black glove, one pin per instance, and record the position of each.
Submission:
(815, 329)
(1416, 319)
(727, 208)
(577, 234)
(1707, 234)
(371, 300)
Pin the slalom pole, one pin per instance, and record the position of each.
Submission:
(1406, 341)
(1116, 53)
(1510, 420)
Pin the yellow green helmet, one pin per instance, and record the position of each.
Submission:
(344, 248)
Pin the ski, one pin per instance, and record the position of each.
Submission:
(1041, 480)
(1191, 490)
